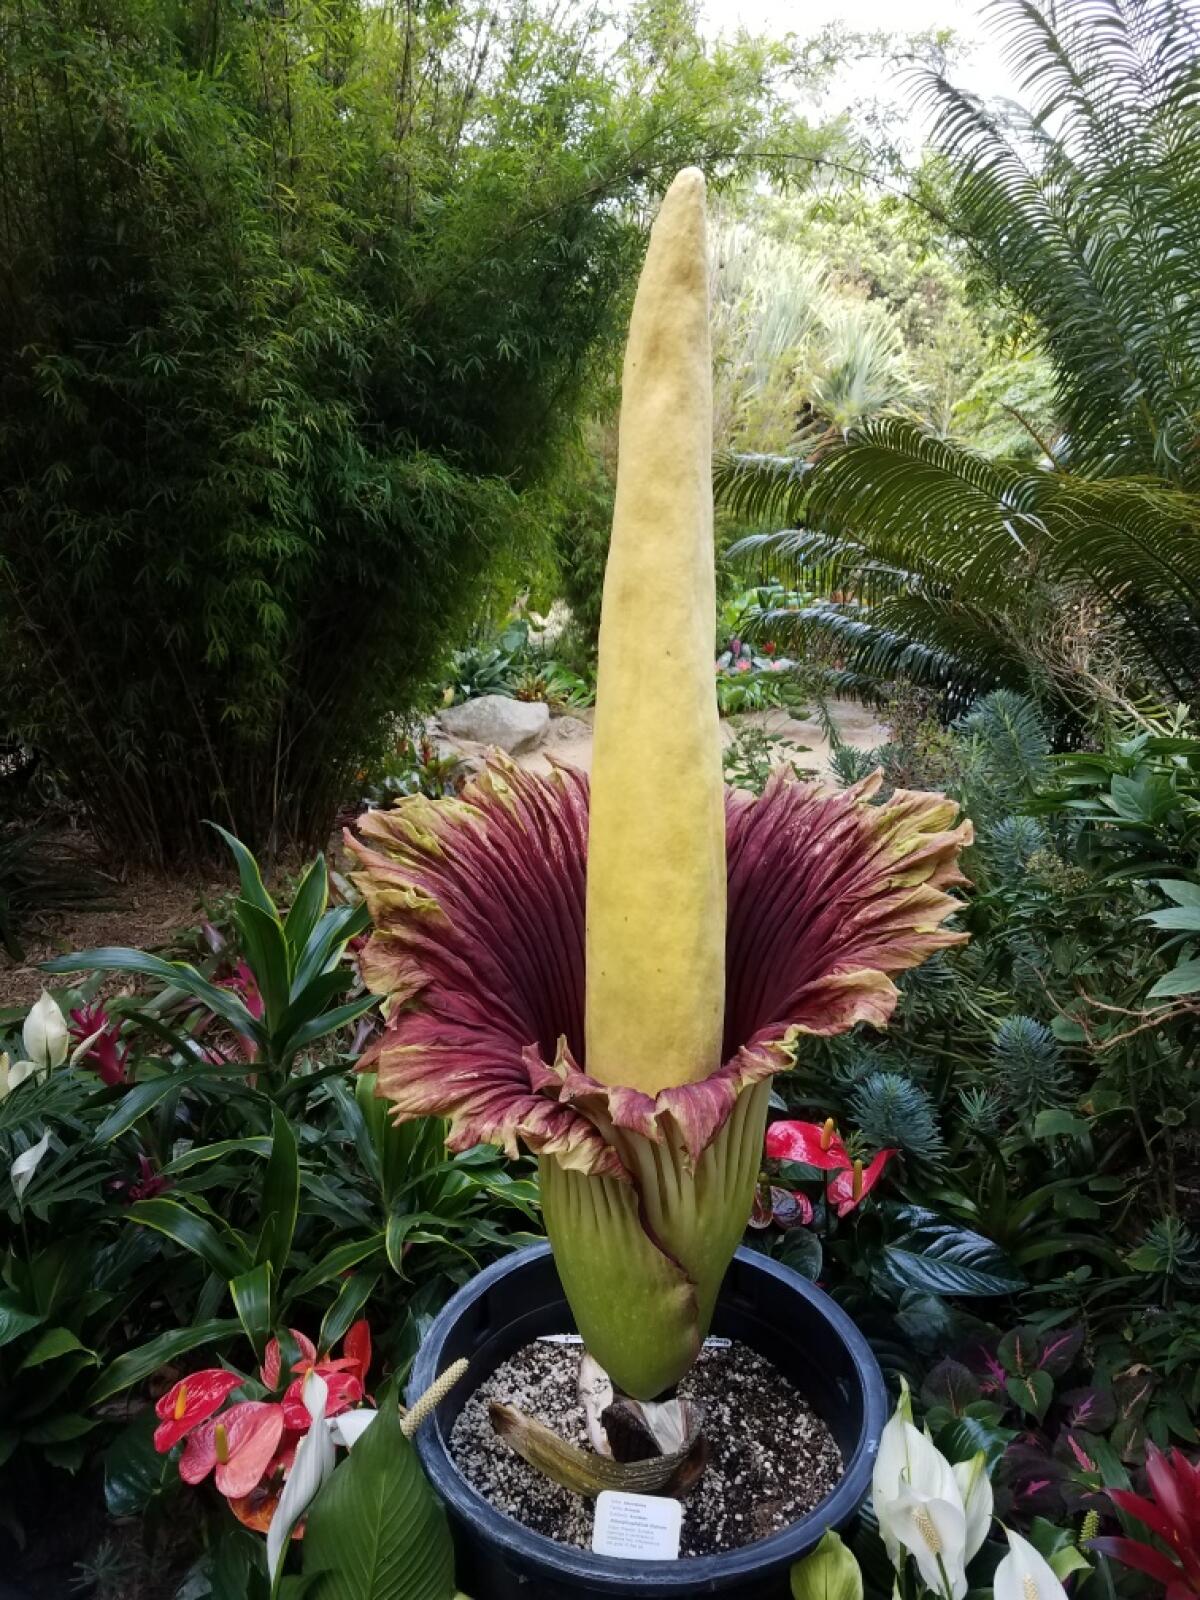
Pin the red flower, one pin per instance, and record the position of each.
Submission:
(813, 1143)
(356, 1347)
(146, 1185)
(240, 1444)
(245, 985)
(854, 1183)
(1173, 1514)
(817, 1145)
(105, 1054)
(272, 1365)
(345, 1390)
(190, 1401)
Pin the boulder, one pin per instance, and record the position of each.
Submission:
(494, 719)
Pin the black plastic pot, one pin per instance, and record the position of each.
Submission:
(768, 1307)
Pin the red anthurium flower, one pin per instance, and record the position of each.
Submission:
(190, 1401)
(256, 1509)
(356, 1347)
(854, 1183)
(271, 1369)
(345, 1390)
(240, 1444)
(1173, 1514)
(105, 1054)
(813, 1143)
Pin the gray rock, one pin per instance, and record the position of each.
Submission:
(494, 719)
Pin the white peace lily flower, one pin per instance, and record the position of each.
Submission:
(23, 1168)
(20, 1070)
(45, 1035)
(925, 1516)
(975, 1486)
(315, 1460)
(5, 1085)
(1024, 1574)
(890, 1465)
(82, 1048)
(349, 1428)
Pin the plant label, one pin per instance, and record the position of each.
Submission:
(638, 1527)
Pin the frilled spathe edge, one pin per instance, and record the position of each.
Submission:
(479, 940)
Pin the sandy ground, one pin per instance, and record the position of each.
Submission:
(570, 738)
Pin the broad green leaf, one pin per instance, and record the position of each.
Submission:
(146, 1359)
(1184, 979)
(15, 1317)
(340, 1259)
(335, 929)
(250, 877)
(266, 948)
(313, 999)
(251, 1294)
(280, 1196)
(1181, 891)
(224, 1254)
(1185, 919)
(134, 1471)
(327, 1023)
(61, 1429)
(1032, 1391)
(134, 1104)
(376, 1531)
(307, 909)
(351, 1298)
(52, 1344)
(940, 1258)
(1057, 1123)
(830, 1572)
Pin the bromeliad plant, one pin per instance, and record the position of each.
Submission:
(612, 976)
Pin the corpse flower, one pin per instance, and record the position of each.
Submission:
(610, 974)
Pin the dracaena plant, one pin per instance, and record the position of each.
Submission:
(611, 974)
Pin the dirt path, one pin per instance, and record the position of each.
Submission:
(570, 738)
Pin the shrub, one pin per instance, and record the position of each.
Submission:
(289, 337)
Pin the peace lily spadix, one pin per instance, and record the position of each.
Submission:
(611, 975)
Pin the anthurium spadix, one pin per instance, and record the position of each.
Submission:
(610, 974)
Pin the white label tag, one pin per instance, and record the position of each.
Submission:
(640, 1527)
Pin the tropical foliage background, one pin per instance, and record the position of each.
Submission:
(310, 319)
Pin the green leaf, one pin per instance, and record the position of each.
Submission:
(134, 1471)
(1057, 1123)
(198, 1154)
(267, 950)
(376, 1531)
(15, 1318)
(940, 1258)
(340, 1259)
(224, 1255)
(327, 1022)
(335, 929)
(146, 1359)
(351, 1298)
(280, 1196)
(251, 1294)
(1032, 1392)
(830, 1572)
(53, 1343)
(1183, 979)
(307, 909)
(249, 876)
(1185, 919)
(134, 1104)
(61, 1429)
(177, 973)
(1181, 891)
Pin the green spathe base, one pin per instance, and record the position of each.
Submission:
(643, 1311)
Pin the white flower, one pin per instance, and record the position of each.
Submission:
(1024, 1574)
(926, 1517)
(976, 1489)
(23, 1168)
(315, 1460)
(45, 1035)
(890, 1465)
(349, 1428)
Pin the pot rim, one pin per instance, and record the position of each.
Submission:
(569, 1561)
